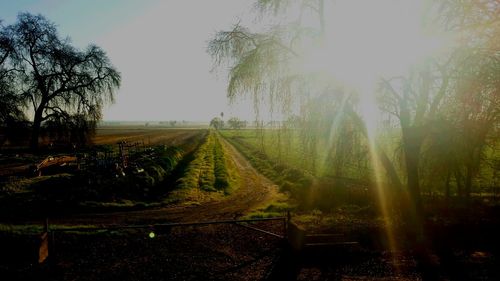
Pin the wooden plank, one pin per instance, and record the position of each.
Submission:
(43, 251)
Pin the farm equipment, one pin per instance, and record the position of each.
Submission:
(55, 162)
(104, 161)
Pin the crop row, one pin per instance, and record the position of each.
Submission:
(211, 169)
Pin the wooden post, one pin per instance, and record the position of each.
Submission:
(295, 235)
(286, 222)
(43, 251)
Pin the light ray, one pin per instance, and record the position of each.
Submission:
(368, 111)
(333, 130)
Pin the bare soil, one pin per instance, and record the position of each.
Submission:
(150, 136)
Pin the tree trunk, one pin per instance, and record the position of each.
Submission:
(321, 11)
(412, 139)
(389, 169)
(447, 187)
(384, 159)
(35, 130)
(468, 182)
(458, 180)
(280, 160)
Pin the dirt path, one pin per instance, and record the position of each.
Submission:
(255, 191)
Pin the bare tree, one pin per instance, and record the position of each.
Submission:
(414, 100)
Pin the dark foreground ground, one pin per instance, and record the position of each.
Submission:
(231, 252)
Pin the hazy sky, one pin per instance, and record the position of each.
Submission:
(158, 46)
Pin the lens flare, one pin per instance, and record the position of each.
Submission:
(368, 111)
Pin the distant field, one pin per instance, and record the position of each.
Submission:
(15, 164)
(150, 136)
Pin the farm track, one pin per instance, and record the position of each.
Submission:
(255, 191)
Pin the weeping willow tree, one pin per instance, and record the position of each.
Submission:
(265, 66)
(56, 80)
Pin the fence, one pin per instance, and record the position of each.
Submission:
(48, 238)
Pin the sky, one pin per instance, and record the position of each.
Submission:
(158, 46)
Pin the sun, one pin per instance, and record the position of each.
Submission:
(366, 40)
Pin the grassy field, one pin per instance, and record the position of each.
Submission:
(301, 152)
(279, 146)
(308, 192)
(283, 166)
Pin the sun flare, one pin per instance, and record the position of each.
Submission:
(365, 41)
(361, 43)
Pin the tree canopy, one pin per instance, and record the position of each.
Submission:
(217, 123)
(54, 79)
